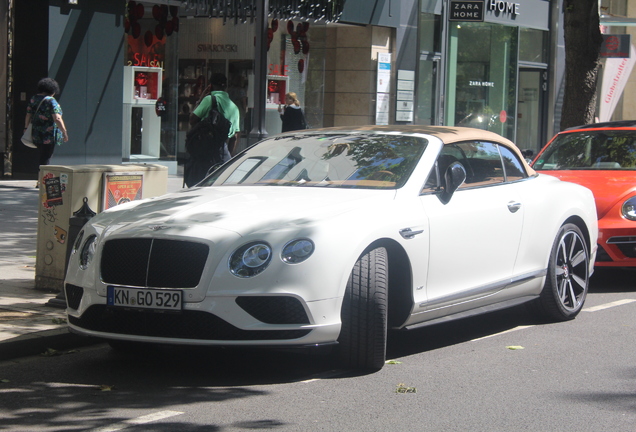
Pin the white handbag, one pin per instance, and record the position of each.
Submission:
(27, 136)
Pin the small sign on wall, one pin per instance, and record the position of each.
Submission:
(383, 89)
(616, 46)
(405, 96)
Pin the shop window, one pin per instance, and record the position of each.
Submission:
(533, 45)
(482, 75)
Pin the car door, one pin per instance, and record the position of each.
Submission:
(474, 238)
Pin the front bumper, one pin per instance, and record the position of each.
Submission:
(217, 321)
(617, 246)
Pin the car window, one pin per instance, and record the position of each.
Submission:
(590, 150)
(360, 160)
(514, 169)
(483, 164)
(486, 164)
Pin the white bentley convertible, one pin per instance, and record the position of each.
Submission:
(334, 236)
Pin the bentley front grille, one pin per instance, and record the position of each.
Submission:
(157, 263)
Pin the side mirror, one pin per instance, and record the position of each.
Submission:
(454, 176)
(528, 155)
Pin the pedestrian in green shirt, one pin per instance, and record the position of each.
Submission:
(216, 89)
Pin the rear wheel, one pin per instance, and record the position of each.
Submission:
(362, 340)
(568, 276)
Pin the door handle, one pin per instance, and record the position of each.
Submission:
(513, 206)
(408, 233)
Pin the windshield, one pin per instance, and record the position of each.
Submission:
(373, 161)
(591, 150)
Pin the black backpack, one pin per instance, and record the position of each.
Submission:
(205, 144)
(206, 139)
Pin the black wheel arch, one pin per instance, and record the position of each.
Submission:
(576, 220)
(400, 296)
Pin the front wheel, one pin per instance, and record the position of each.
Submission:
(362, 340)
(568, 276)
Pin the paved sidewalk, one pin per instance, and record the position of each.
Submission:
(31, 320)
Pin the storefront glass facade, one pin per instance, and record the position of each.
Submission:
(150, 74)
(295, 63)
(482, 77)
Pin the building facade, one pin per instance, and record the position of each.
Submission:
(131, 72)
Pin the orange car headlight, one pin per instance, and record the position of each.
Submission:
(629, 209)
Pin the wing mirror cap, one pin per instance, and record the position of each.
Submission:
(454, 177)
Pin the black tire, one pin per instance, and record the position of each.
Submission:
(362, 340)
(568, 276)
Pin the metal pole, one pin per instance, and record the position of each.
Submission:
(260, 72)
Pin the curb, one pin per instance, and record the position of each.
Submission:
(39, 342)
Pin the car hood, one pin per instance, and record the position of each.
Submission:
(608, 187)
(241, 209)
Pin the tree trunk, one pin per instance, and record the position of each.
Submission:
(582, 60)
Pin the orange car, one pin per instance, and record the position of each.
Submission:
(601, 157)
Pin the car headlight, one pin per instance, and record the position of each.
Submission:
(629, 209)
(88, 251)
(297, 251)
(78, 242)
(250, 259)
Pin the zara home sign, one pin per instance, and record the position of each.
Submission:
(466, 10)
(504, 7)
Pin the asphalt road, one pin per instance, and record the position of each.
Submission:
(459, 376)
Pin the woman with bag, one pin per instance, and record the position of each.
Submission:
(48, 128)
(292, 116)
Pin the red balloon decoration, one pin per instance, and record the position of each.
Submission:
(126, 25)
(156, 12)
(270, 35)
(305, 46)
(148, 38)
(300, 29)
(169, 28)
(296, 46)
(159, 31)
(174, 11)
(136, 30)
(274, 25)
(290, 27)
(301, 65)
(139, 11)
(305, 27)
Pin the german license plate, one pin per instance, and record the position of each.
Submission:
(144, 298)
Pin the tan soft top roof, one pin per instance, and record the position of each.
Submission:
(447, 134)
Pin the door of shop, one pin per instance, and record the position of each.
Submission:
(530, 109)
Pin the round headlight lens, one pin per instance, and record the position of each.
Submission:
(629, 209)
(297, 251)
(88, 251)
(250, 259)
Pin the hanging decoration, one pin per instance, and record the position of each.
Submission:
(244, 10)
(167, 21)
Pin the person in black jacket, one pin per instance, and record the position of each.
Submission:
(292, 116)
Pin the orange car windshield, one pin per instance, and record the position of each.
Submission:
(590, 150)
